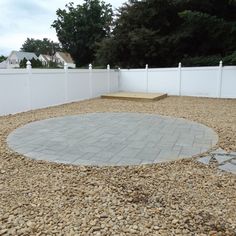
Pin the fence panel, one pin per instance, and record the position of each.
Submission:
(114, 81)
(228, 86)
(26, 89)
(187, 81)
(163, 81)
(14, 91)
(199, 81)
(47, 88)
(133, 80)
(100, 83)
(78, 85)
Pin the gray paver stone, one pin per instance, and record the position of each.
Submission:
(228, 167)
(223, 158)
(204, 160)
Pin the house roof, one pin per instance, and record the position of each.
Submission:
(66, 57)
(46, 57)
(21, 55)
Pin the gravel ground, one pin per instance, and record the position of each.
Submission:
(176, 198)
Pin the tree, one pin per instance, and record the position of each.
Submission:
(139, 34)
(23, 63)
(38, 46)
(230, 59)
(206, 36)
(53, 64)
(2, 58)
(80, 28)
(163, 32)
(35, 63)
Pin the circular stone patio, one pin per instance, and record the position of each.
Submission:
(107, 139)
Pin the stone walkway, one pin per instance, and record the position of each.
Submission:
(223, 160)
(106, 139)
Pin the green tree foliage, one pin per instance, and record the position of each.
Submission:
(2, 58)
(230, 59)
(38, 46)
(53, 64)
(35, 63)
(79, 28)
(23, 63)
(163, 32)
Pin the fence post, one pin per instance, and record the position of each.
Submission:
(220, 79)
(28, 65)
(66, 81)
(90, 80)
(28, 68)
(119, 79)
(146, 78)
(109, 78)
(180, 78)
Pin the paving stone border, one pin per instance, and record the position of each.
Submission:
(112, 139)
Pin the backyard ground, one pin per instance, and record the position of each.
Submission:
(176, 198)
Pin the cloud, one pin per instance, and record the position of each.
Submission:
(27, 8)
(22, 19)
(13, 11)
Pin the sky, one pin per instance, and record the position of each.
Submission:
(22, 19)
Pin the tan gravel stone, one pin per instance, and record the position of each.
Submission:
(176, 198)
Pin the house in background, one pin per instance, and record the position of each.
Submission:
(14, 59)
(3, 64)
(60, 58)
(63, 57)
(45, 59)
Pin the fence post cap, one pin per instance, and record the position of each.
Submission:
(90, 66)
(221, 63)
(108, 67)
(180, 64)
(146, 66)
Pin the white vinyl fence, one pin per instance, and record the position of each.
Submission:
(218, 82)
(27, 89)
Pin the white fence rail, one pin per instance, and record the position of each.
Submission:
(187, 81)
(27, 89)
